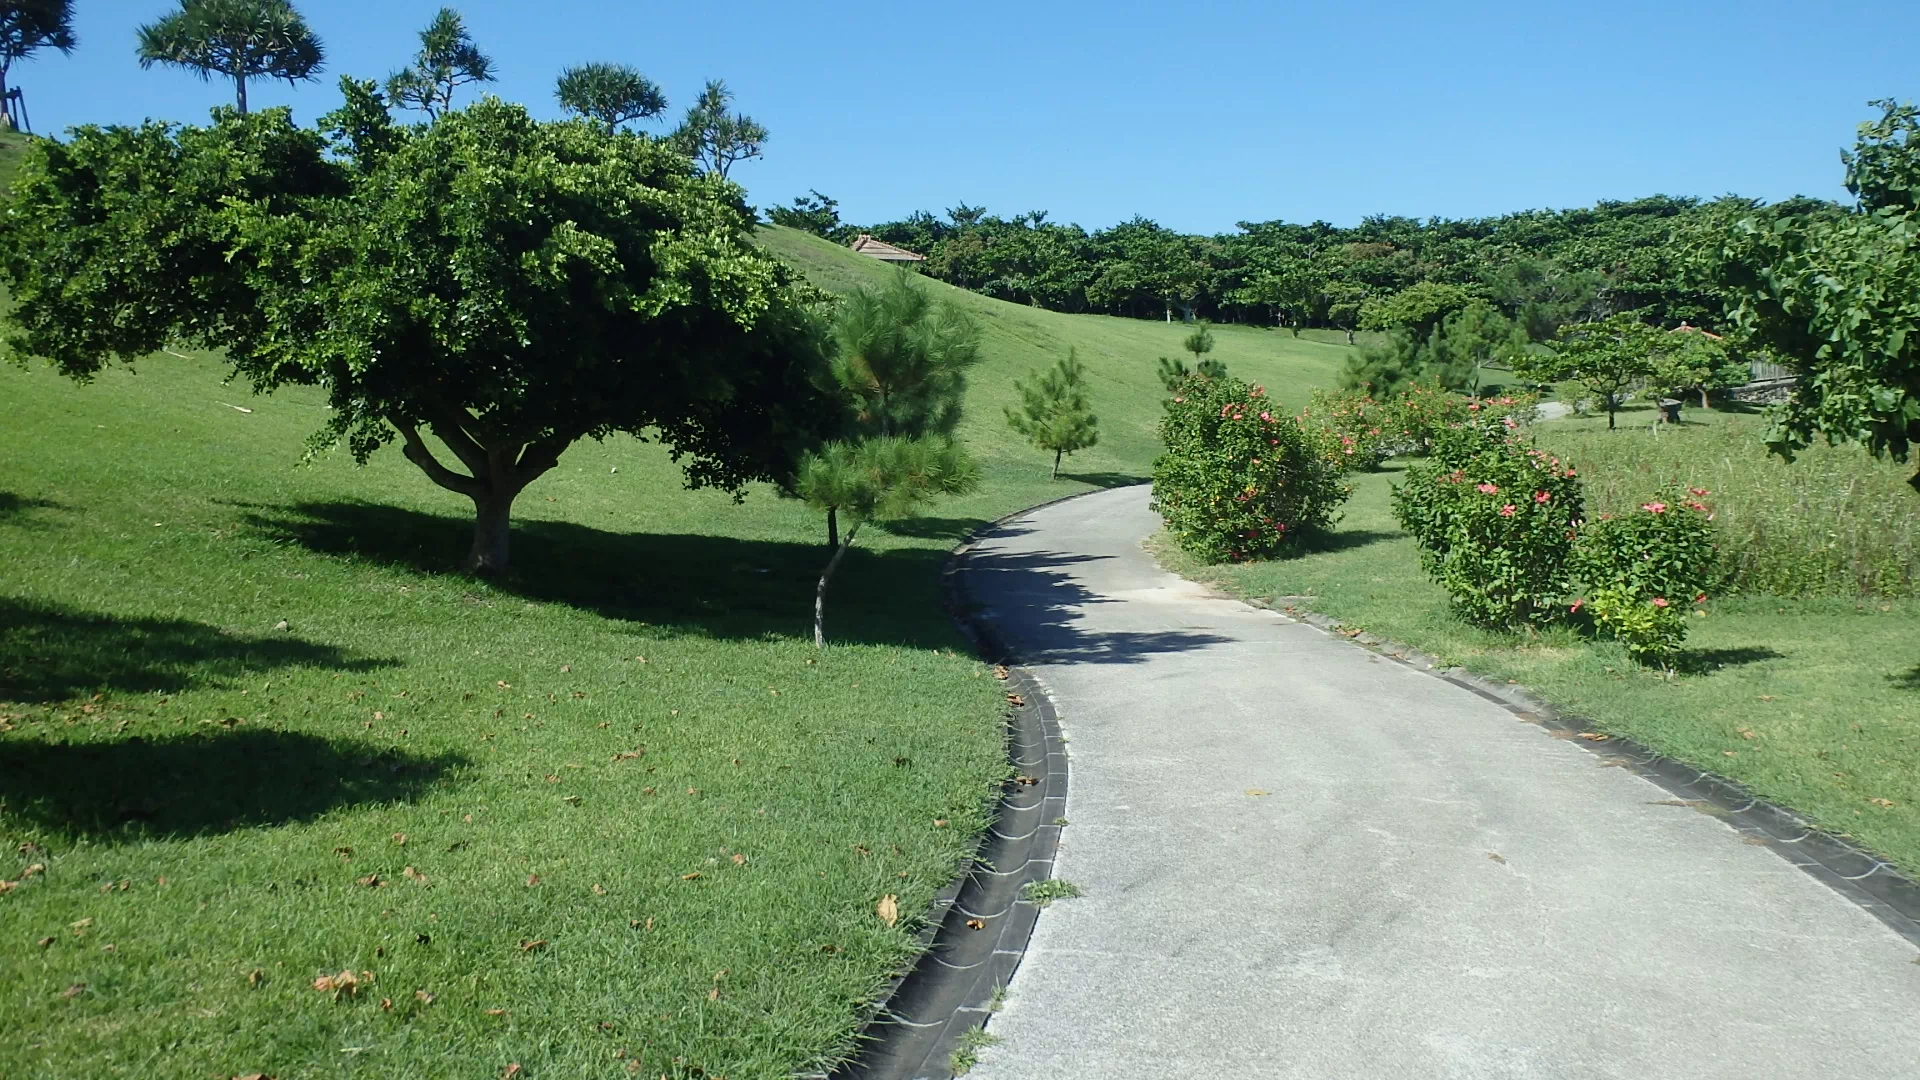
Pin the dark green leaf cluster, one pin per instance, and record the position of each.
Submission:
(1664, 550)
(236, 39)
(610, 94)
(1054, 413)
(901, 358)
(1239, 478)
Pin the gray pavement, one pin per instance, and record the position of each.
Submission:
(1302, 860)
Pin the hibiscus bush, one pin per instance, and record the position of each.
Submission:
(1418, 418)
(1239, 479)
(1646, 568)
(1349, 429)
(1495, 521)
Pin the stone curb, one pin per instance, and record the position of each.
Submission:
(977, 928)
(1853, 872)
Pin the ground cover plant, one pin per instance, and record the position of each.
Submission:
(1812, 699)
(152, 560)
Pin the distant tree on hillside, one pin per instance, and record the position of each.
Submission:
(448, 59)
(26, 27)
(814, 213)
(1384, 369)
(612, 94)
(1174, 372)
(715, 138)
(1053, 413)
(235, 39)
(1543, 296)
(1458, 350)
(1199, 343)
(1607, 358)
(505, 320)
(1417, 309)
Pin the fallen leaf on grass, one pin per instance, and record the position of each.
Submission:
(695, 876)
(371, 881)
(344, 985)
(74, 991)
(414, 876)
(1746, 733)
(344, 852)
(45, 943)
(532, 880)
(386, 1004)
(570, 800)
(503, 684)
(496, 1012)
(628, 755)
(599, 890)
(513, 1070)
(80, 928)
(533, 946)
(423, 997)
(255, 978)
(888, 909)
(739, 860)
(252, 1076)
(399, 838)
(36, 868)
(564, 668)
(1886, 804)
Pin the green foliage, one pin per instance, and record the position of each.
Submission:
(1664, 549)
(1418, 309)
(1543, 296)
(1470, 340)
(1385, 369)
(610, 94)
(1199, 343)
(1349, 429)
(1239, 478)
(715, 138)
(236, 39)
(901, 358)
(1651, 629)
(1053, 412)
(814, 213)
(486, 278)
(1173, 372)
(1607, 358)
(1689, 361)
(1495, 521)
(27, 26)
(447, 60)
(1839, 298)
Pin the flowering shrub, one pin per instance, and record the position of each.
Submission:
(1651, 629)
(1495, 521)
(1650, 565)
(1348, 429)
(1239, 478)
(1417, 418)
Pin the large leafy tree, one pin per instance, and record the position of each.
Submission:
(1607, 357)
(234, 39)
(1417, 309)
(26, 27)
(448, 59)
(1054, 413)
(497, 285)
(1838, 297)
(715, 137)
(612, 94)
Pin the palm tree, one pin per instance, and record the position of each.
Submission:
(448, 58)
(26, 26)
(609, 93)
(237, 39)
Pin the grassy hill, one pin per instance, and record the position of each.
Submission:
(614, 809)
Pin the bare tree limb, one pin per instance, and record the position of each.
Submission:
(417, 452)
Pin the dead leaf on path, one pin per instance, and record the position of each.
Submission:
(1594, 736)
(888, 909)
(1000, 672)
(532, 880)
(414, 876)
(976, 924)
(533, 946)
(1497, 857)
(1026, 781)
(74, 991)
(1258, 791)
(1016, 701)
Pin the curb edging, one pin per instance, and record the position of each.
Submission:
(1869, 881)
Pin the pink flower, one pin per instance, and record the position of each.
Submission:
(1267, 416)
(1508, 420)
(1577, 605)
(1541, 497)
(1570, 473)
(1659, 601)
(1507, 510)
(1699, 492)
(1475, 407)
(1654, 507)
(1506, 401)
(1486, 489)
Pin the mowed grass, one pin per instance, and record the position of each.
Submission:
(546, 850)
(1812, 702)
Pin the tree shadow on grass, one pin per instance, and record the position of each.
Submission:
(201, 783)
(1105, 480)
(1704, 661)
(930, 528)
(1908, 681)
(718, 586)
(51, 654)
(1339, 540)
(15, 509)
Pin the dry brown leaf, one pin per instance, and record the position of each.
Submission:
(695, 876)
(414, 876)
(503, 684)
(252, 1076)
(386, 1004)
(1497, 857)
(862, 849)
(532, 880)
(940, 823)
(1026, 781)
(570, 800)
(423, 997)
(976, 924)
(496, 1012)
(1258, 791)
(693, 791)
(533, 946)
(888, 909)
(344, 853)
(599, 890)
(1887, 804)
(45, 943)
(1016, 701)
(1746, 733)
(255, 978)
(378, 715)
(80, 928)
(371, 881)
(628, 755)
(553, 778)
(74, 991)
(739, 860)
(399, 838)
(8, 886)
(564, 668)
(36, 868)
(513, 1070)
(1000, 671)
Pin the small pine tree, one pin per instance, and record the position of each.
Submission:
(1199, 343)
(1174, 372)
(1053, 412)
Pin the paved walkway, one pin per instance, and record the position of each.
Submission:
(1301, 860)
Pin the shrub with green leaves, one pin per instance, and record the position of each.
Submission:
(1495, 525)
(1239, 479)
(1419, 416)
(1349, 429)
(1645, 568)
(1650, 628)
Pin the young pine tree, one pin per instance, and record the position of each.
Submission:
(1053, 412)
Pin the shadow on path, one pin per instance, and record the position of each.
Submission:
(50, 654)
(200, 783)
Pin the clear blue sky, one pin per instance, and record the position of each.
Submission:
(1196, 115)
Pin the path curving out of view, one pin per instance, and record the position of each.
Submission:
(1300, 859)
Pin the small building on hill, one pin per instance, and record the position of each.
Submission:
(865, 244)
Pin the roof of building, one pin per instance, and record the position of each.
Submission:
(865, 244)
(1694, 330)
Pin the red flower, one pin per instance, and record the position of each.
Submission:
(1569, 473)
(1486, 489)
(1699, 492)
(1701, 599)
(1507, 510)
(1577, 605)
(1659, 601)
(1541, 497)
(1654, 507)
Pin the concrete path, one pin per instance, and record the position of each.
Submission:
(1301, 860)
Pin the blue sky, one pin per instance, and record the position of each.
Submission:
(1196, 115)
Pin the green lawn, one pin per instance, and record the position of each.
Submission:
(1812, 702)
(242, 697)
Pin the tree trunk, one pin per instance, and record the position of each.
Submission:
(1609, 412)
(833, 527)
(492, 526)
(820, 591)
(1056, 465)
(240, 88)
(1349, 337)
(1703, 397)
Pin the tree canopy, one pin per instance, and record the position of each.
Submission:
(901, 358)
(612, 94)
(503, 285)
(1053, 413)
(448, 59)
(236, 39)
(714, 137)
(26, 27)
(1838, 298)
(1607, 357)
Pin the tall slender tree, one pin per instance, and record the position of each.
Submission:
(26, 27)
(236, 39)
(1053, 413)
(612, 94)
(448, 59)
(715, 138)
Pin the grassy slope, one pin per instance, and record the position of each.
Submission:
(212, 809)
(1815, 703)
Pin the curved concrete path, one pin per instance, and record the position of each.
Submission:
(1302, 860)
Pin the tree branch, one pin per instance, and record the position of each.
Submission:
(449, 428)
(417, 452)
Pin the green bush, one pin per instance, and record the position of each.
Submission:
(1651, 629)
(1240, 478)
(1415, 419)
(1495, 521)
(1664, 549)
(1349, 430)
